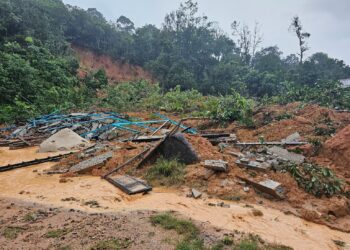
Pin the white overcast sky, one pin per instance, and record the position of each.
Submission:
(328, 21)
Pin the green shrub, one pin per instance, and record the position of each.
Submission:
(316, 180)
(229, 108)
(56, 233)
(176, 100)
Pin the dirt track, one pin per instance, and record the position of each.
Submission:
(30, 185)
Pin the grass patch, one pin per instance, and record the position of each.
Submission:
(193, 244)
(227, 241)
(56, 233)
(64, 248)
(30, 217)
(166, 172)
(186, 228)
(11, 233)
(112, 244)
(169, 222)
(247, 244)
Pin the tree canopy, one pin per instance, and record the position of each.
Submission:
(188, 50)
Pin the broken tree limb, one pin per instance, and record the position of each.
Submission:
(161, 126)
(125, 163)
(190, 130)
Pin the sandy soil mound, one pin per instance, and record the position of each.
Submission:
(338, 150)
(63, 140)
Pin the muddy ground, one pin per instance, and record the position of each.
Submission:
(91, 194)
(301, 221)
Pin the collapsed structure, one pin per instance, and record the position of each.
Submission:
(121, 149)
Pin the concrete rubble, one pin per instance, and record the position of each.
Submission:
(195, 193)
(284, 154)
(91, 163)
(216, 165)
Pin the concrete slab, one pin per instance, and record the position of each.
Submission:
(129, 184)
(292, 138)
(90, 163)
(195, 193)
(216, 165)
(285, 154)
(254, 165)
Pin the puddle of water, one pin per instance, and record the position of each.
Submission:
(273, 226)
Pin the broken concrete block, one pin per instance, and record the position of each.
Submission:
(129, 184)
(216, 165)
(260, 159)
(195, 193)
(270, 187)
(273, 185)
(292, 138)
(285, 154)
(237, 154)
(244, 160)
(91, 163)
(254, 165)
(231, 138)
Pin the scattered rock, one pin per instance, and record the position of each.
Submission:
(285, 154)
(195, 193)
(257, 212)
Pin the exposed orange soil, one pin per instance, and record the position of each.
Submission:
(116, 71)
(337, 149)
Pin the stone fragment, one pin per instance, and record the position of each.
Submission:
(195, 193)
(285, 154)
(216, 165)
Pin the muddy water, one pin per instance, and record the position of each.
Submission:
(273, 226)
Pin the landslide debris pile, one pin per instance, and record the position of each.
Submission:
(216, 161)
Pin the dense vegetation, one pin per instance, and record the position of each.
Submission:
(38, 72)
